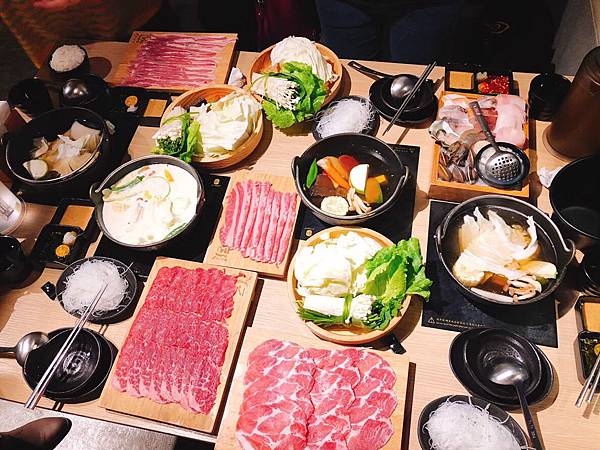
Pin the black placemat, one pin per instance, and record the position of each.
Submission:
(448, 309)
(192, 249)
(396, 223)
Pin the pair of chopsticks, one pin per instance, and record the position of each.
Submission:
(40, 388)
(591, 383)
(411, 94)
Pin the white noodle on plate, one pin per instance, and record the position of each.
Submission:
(463, 426)
(87, 280)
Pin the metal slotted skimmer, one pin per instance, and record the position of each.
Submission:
(502, 165)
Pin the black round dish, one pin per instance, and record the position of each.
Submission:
(80, 70)
(424, 111)
(89, 91)
(14, 265)
(457, 364)
(422, 99)
(559, 251)
(92, 389)
(30, 96)
(507, 421)
(359, 146)
(546, 93)
(127, 305)
(120, 172)
(490, 343)
(49, 125)
(74, 372)
(575, 199)
(371, 127)
(521, 156)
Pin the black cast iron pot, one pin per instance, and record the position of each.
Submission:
(19, 147)
(366, 149)
(557, 250)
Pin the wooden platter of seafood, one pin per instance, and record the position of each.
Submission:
(459, 170)
(197, 347)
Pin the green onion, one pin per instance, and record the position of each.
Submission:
(136, 180)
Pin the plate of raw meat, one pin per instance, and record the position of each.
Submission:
(298, 393)
(176, 359)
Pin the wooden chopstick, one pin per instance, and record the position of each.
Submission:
(40, 388)
(411, 94)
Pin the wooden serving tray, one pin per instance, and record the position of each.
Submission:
(458, 192)
(173, 413)
(352, 335)
(219, 255)
(223, 60)
(254, 337)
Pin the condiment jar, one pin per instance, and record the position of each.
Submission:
(573, 132)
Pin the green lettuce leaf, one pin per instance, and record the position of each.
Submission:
(281, 118)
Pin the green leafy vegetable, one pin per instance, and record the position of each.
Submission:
(187, 144)
(309, 95)
(312, 174)
(392, 274)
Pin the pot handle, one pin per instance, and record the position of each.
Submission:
(438, 236)
(5, 139)
(50, 290)
(95, 195)
(570, 251)
(367, 70)
(404, 178)
(295, 160)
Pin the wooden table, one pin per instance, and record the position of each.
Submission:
(562, 425)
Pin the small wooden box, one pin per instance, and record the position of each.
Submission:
(458, 192)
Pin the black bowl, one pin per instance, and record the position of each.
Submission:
(546, 93)
(127, 305)
(15, 267)
(505, 419)
(555, 248)
(30, 96)
(49, 125)
(80, 70)
(483, 349)
(575, 199)
(457, 364)
(74, 372)
(364, 148)
(371, 127)
(120, 172)
(89, 91)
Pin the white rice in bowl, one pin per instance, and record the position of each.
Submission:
(67, 57)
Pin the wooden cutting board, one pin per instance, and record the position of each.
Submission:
(254, 337)
(173, 413)
(223, 256)
(223, 60)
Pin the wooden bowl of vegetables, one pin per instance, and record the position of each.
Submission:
(211, 94)
(322, 298)
(263, 64)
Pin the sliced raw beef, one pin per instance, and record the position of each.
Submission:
(259, 221)
(177, 343)
(315, 399)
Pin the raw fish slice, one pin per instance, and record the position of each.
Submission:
(515, 136)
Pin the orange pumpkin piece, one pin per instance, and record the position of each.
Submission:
(373, 192)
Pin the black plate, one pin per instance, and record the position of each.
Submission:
(127, 305)
(92, 389)
(370, 129)
(457, 365)
(387, 111)
(51, 237)
(493, 342)
(507, 421)
(74, 372)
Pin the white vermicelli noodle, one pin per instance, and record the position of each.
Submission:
(87, 280)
